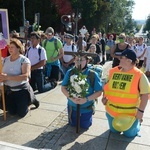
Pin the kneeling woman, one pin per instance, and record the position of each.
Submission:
(15, 73)
(74, 88)
(126, 95)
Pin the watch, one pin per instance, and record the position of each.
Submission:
(142, 111)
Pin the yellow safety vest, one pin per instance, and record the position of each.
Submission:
(122, 91)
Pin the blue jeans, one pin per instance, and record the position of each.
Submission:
(38, 81)
(52, 71)
(85, 118)
(131, 132)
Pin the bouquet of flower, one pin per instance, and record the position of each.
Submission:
(78, 86)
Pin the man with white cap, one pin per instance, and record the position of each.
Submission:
(67, 61)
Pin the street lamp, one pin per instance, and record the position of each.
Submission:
(23, 8)
(76, 18)
(66, 20)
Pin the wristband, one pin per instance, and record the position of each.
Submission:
(87, 99)
(142, 111)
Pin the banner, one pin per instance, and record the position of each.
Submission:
(4, 26)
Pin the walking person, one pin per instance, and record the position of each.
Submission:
(83, 94)
(132, 43)
(140, 51)
(126, 95)
(102, 42)
(118, 49)
(110, 43)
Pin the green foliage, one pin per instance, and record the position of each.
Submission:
(36, 27)
(138, 27)
(147, 26)
(114, 16)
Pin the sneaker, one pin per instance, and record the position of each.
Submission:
(36, 103)
(53, 84)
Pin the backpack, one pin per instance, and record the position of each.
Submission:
(39, 52)
(97, 68)
(55, 44)
(72, 47)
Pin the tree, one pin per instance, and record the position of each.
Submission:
(147, 26)
(112, 15)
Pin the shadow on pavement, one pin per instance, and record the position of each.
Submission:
(101, 143)
(48, 138)
(9, 120)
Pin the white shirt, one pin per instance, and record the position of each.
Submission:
(140, 49)
(14, 68)
(84, 43)
(33, 55)
(68, 48)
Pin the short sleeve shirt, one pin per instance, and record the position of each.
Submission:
(34, 56)
(97, 87)
(50, 48)
(13, 68)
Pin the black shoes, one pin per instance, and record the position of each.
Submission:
(36, 103)
(53, 84)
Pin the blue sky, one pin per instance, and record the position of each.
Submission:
(141, 9)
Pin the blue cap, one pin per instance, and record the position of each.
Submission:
(130, 54)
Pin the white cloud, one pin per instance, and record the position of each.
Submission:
(141, 9)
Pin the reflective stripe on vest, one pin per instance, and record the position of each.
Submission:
(121, 95)
(122, 91)
(114, 110)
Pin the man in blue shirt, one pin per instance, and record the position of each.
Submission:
(87, 102)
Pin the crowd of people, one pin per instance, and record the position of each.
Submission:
(42, 62)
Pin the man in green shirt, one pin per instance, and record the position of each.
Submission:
(54, 51)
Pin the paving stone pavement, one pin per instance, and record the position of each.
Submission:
(46, 128)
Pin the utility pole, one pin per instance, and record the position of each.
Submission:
(23, 8)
